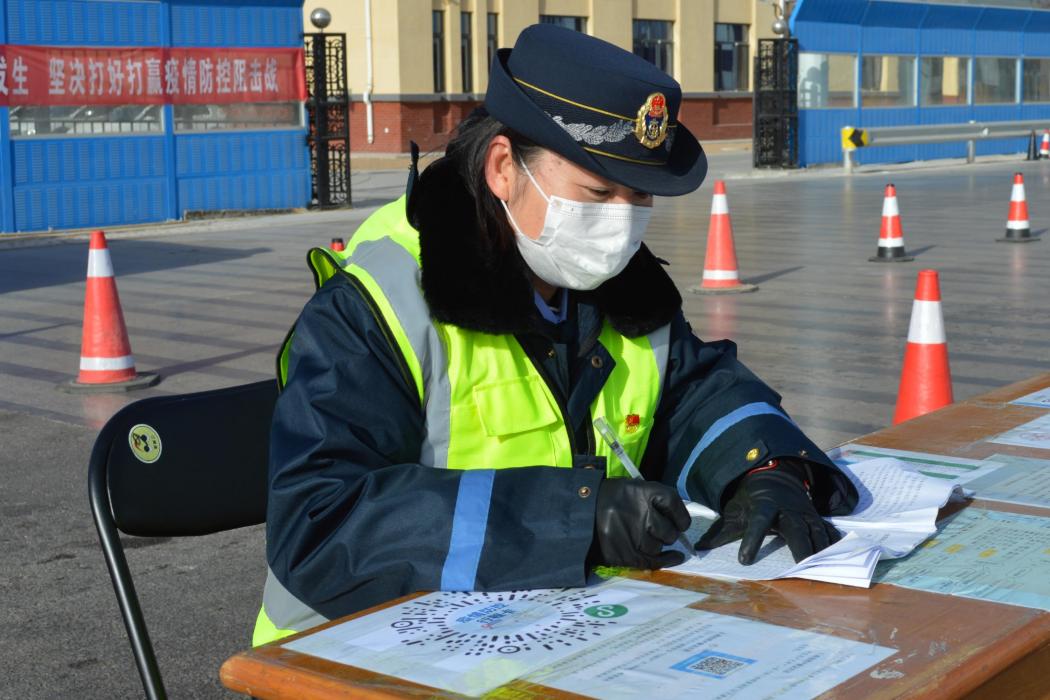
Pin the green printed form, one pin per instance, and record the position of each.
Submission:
(1020, 480)
(957, 469)
(978, 553)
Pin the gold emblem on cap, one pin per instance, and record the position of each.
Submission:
(650, 128)
(752, 454)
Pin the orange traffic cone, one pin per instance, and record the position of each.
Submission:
(338, 245)
(106, 363)
(1018, 230)
(721, 275)
(926, 379)
(891, 235)
(1044, 148)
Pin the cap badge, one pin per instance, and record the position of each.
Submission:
(650, 128)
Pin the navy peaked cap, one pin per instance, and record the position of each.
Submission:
(599, 106)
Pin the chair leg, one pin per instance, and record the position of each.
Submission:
(127, 599)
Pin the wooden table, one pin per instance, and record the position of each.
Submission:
(948, 647)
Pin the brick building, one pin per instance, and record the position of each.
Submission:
(417, 67)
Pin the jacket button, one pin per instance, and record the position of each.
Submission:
(588, 466)
(584, 491)
(551, 353)
(803, 453)
(596, 362)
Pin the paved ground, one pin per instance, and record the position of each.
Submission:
(207, 305)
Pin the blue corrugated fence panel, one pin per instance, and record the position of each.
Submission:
(828, 25)
(820, 134)
(237, 23)
(945, 115)
(242, 170)
(1038, 110)
(84, 22)
(994, 113)
(892, 27)
(999, 32)
(947, 30)
(1036, 40)
(76, 183)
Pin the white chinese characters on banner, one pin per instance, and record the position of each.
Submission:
(153, 84)
(271, 75)
(96, 77)
(71, 76)
(20, 76)
(77, 76)
(57, 77)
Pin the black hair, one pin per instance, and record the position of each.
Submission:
(467, 150)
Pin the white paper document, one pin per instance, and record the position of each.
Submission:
(701, 654)
(473, 642)
(897, 510)
(1034, 433)
(1039, 399)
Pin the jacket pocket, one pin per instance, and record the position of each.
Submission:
(510, 406)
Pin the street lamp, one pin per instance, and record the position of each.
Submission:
(320, 18)
(782, 9)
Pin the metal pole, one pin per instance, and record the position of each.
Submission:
(324, 195)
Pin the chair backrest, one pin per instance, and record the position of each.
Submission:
(182, 465)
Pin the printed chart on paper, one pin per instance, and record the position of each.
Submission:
(473, 642)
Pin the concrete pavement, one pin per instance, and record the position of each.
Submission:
(208, 303)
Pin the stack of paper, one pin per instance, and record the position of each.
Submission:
(896, 512)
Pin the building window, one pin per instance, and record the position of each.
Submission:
(238, 116)
(466, 53)
(826, 80)
(944, 80)
(652, 41)
(887, 81)
(493, 36)
(1036, 80)
(568, 21)
(438, 45)
(994, 80)
(731, 57)
(85, 120)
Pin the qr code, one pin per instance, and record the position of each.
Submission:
(713, 664)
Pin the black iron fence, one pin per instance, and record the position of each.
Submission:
(328, 107)
(775, 111)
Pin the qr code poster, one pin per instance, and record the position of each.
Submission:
(713, 664)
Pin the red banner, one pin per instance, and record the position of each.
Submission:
(52, 75)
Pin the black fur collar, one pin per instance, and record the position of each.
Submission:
(471, 282)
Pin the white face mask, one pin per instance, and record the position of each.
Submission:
(582, 244)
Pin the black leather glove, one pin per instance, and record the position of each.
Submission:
(773, 498)
(634, 520)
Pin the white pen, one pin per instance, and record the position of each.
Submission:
(613, 441)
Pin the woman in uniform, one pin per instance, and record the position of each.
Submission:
(436, 424)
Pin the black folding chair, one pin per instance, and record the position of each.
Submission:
(174, 466)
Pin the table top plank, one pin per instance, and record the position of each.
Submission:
(1013, 391)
